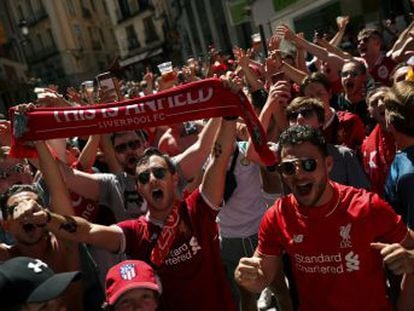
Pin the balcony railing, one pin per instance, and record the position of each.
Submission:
(42, 54)
(37, 17)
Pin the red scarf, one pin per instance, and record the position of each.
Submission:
(378, 151)
(167, 236)
(198, 100)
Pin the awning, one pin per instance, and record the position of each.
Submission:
(140, 57)
(134, 59)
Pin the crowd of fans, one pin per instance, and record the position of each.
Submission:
(187, 216)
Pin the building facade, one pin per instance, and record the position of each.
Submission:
(66, 42)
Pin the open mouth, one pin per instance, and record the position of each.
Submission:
(304, 189)
(28, 228)
(157, 194)
(349, 85)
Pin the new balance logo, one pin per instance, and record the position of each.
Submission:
(345, 233)
(37, 266)
(352, 261)
(195, 247)
(297, 238)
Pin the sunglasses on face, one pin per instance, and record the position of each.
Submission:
(133, 145)
(157, 172)
(18, 168)
(305, 113)
(363, 40)
(290, 167)
(351, 73)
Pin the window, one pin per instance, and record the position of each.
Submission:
(31, 11)
(93, 5)
(133, 42)
(123, 5)
(71, 7)
(40, 42)
(150, 32)
(50, 41)
(20, 12)
(101, 35)
(77, 32)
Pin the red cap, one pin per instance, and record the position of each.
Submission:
(127, 275)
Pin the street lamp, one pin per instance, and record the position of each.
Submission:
(23, 27)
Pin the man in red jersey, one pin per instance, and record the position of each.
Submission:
(180, 239)
(326, 229)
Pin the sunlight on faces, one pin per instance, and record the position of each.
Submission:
(158, 191)
(376, 108)
(304, 116)
(24, 233)
(130, 150)
(137, 299)
(309, 188)
(353, 80)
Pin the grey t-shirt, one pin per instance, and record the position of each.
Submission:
(119, 193)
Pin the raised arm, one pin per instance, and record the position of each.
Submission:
(109, 153)
(88, 154)
(214, 178)
(314, 49)
(59, 195)
(192, 159)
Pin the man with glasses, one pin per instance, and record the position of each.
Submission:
(346, 168)
(326, 229)
(179, 238)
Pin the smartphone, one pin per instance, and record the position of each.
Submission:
(279, 76)
(106, 80)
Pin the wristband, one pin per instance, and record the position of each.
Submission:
(231, 118)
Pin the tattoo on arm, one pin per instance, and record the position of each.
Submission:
(69, 225)
(217, 150)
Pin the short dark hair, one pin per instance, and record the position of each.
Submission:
(149, 152)
(315, 77)
(360, 65)
(141, 135)
(313, 103)
(298, 134)
(369, 32)
(399, 103)
(5, 209)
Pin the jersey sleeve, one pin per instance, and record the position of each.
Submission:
(389, 225)
(269, 234)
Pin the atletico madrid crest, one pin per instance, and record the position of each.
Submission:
(127, 272)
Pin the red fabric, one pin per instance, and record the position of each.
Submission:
(334, 267)
(127, 275)
(197, 100)
(382, 69)
(351, 129)
(378, 151)
(166, 237)
(192, 276)
(83, 207)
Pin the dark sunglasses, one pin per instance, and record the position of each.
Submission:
(157, 172)
(351, 73)
(133, 145)
(305, 113)
(289, 167)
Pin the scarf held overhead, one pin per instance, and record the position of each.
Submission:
(198, 100)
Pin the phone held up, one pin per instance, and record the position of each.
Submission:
(107, 81)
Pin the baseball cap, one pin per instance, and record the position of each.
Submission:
(29, 280)
(127, 275)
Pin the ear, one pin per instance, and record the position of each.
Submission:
(329, 162)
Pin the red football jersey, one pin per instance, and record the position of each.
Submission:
(333, 265)
(192, 275)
